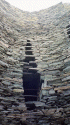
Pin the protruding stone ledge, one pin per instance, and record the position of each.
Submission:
(4, 64)
(33, 64)
(68, 26)
(29, 56)
(62, 88)
(66, 79)
(18, 90)
(32, 70)
(28, 44)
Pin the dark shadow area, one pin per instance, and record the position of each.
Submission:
(68, 26)
(33, 64)
(68, 30)
(31, 77)
(28, 44)
(31, 84)
(29, 58)
(28, 48)
(28, 52)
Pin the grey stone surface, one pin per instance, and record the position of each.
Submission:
(47, 32)
(3, 64)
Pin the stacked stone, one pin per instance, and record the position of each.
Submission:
(55, 95)
(54, 66)
(12, 102)
(31, 77)
(54, 63)
(52, 56)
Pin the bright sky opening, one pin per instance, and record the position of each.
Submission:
(35, 5)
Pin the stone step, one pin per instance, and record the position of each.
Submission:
(30, 63)
(32, 70)
(30, 46)
(28, 55)
(28, 51)
(27, 67)
(33, 64)
(29, 58)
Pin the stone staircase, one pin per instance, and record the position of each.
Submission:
(31, 77)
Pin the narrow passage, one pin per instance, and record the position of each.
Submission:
(31, 77)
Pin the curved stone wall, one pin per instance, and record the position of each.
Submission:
(48, 31)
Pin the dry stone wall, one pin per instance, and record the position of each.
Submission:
(51, 48)
(53, 64)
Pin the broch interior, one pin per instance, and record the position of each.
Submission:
(35, 65)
